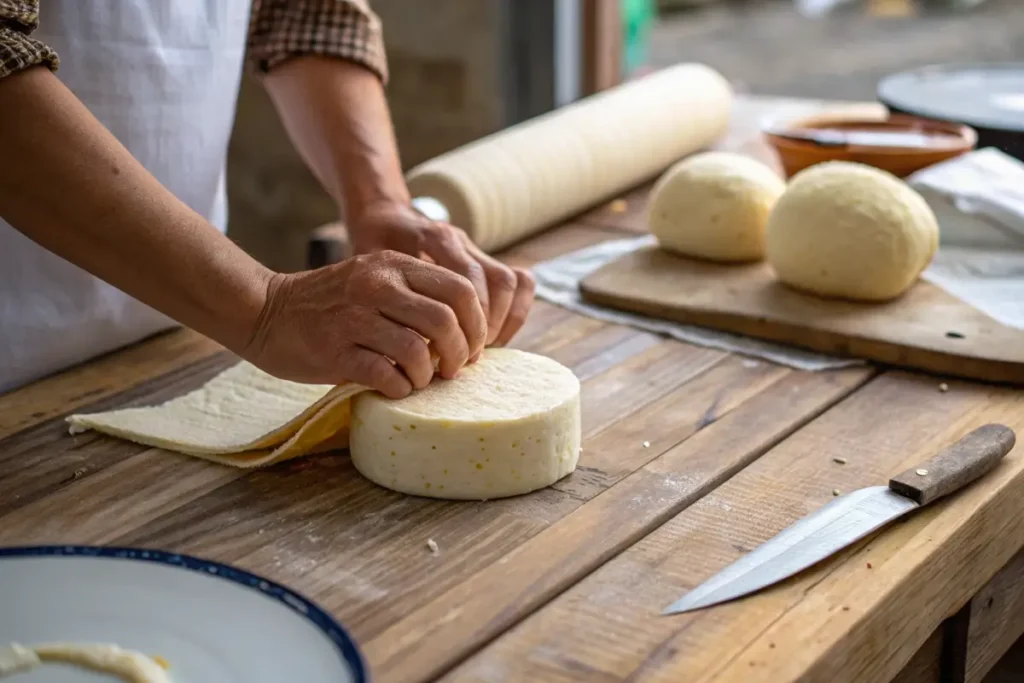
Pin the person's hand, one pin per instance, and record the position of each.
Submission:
(349, 321)
(505, 293)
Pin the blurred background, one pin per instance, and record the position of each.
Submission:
(463, 68)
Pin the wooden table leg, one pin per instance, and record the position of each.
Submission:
(955, 633)
(997, 619)
(968, 645)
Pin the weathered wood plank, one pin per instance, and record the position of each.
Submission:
(101, 378)
(853, 622)
(628, 445)
(39, 461)
(997, 619)
(550, 244)
(543, 316)
(603, 349)
(635, 382)
(627, 214)
(571, 332)
(458, 621)
(96, 508)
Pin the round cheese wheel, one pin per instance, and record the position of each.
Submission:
(851, 231)
(714, 206)
(506, 425)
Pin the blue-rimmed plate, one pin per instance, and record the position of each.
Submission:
(211, 622)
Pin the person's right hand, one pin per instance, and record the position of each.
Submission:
(345, 321)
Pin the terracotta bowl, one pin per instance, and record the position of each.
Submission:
(946, 140)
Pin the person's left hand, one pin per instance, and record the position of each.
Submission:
(506, 293)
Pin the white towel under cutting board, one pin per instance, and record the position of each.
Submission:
(978, 199)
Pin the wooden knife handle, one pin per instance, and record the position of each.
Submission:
(953, 468)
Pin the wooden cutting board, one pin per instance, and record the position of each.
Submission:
(925, 329)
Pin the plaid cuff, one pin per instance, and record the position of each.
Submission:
(347, 29)
(20, 14)
(18, 51)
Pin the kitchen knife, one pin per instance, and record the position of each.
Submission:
(850, 518)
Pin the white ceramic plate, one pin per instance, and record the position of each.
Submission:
(213, 623)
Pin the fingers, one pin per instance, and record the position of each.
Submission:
(519, 307)
(502, 284)
(446, 246)
(443, 307)
(438, 323)
(407, 349)
(373, 370)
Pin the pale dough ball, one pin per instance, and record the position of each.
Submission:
(508, 424)
(851, 231)
(714, 206)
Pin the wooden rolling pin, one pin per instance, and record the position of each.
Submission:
(518, 181)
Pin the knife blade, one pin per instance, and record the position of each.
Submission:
(863, 138)
(852, 517)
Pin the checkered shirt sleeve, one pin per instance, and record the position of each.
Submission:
(18, 19)
(347, 29)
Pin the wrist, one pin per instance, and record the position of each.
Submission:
(367, 216)
(241, 305)
(361, 205)
(257, 296)
(271, 292)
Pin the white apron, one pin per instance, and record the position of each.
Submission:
(163, 77)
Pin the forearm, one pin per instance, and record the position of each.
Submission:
(67, 184)
(336, 113)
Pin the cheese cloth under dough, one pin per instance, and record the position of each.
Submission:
(242, 417)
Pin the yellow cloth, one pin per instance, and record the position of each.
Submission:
(242, 417)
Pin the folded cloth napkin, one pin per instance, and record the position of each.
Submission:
(978, 199)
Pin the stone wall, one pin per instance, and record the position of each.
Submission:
(445, 90)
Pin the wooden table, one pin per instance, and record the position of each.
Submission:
(567, 583)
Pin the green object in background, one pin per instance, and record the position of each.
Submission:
(638, 16)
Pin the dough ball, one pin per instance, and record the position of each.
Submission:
(714, 206)
(851, 231)
(508, 424)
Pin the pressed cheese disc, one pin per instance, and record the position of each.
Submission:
(508, 424)
(850, 231)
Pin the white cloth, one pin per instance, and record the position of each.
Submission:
(163, 77)
(558, 282)
(978, 199)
